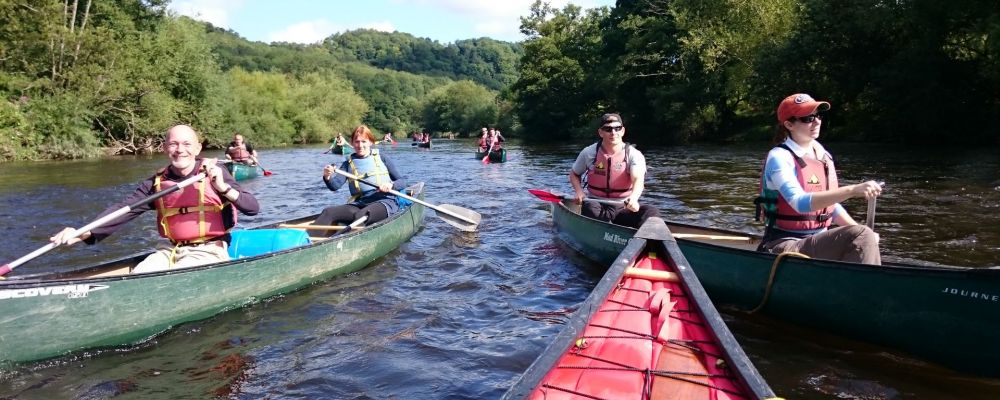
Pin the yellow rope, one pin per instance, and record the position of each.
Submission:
(770, 279)
(173, 254)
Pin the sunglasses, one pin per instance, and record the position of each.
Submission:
(808, 119)
(608, 128)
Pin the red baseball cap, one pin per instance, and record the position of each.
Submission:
(799, 105)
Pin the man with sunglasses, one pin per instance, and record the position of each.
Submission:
(800, 196)
(613, 170)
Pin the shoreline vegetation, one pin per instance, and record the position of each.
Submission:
(90, 79)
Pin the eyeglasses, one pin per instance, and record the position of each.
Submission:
(616, 128)
(808, 119)
(176, 145)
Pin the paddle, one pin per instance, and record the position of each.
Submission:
(556, 198)
(266, 172)
(101, 221)
(461, 218)
(870, 217)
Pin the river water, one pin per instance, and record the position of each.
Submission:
(460, 315)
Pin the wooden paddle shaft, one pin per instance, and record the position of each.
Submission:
(353, 225)
(871, 213)
(709, 237)
(318, 227)
(651, 274)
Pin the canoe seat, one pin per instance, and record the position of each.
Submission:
(253, 242)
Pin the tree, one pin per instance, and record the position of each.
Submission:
(459, 107)
(556, 93)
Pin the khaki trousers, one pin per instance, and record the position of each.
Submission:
(855, 243)
(166, 258)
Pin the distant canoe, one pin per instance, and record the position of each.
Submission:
(647, 331)
(425, 145)
(52, 314)
(242, 171)
(343, 149)
(496, 156)
(948, 315)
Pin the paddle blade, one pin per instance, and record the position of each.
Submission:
(268, 173)
(546, 196)
(468, 226)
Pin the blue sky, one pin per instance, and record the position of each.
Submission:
(305, 21)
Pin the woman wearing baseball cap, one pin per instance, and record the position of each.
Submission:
(800, 196)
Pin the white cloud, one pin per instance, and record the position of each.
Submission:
(304, 32)
(315, 31)
(215, 12)
(496, 18)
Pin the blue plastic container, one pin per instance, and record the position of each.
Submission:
(249, 243)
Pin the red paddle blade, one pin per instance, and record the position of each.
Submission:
(546, 196)
(268, 173)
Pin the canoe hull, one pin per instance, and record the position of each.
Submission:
(660, 320)
(345, 149)
(923, 310)
(48, 318)
(242, 172)
(495, 156)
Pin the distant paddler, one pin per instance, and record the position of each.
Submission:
(240, 151)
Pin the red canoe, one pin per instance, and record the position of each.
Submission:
(647, 331)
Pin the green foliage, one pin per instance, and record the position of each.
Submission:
(394, 96)
(485, 61)
(459, 107)
(62, 121)
(111, 77)
(682, 70)
(905, 71)
(16, 141)
(274, 109)
(560, 86)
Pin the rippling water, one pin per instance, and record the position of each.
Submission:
(461, 315)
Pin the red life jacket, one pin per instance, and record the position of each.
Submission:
(190, 215)
(814, 176)
(238, 153)
(610, 176)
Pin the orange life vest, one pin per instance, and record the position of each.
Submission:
(238, 153)
(610, 176)
(814, 176)
(190, 215)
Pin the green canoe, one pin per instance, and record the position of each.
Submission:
(344, 149)
(947, 315)
(495, 156)
(241, 171)
(48, 315)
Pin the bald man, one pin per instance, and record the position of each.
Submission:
(196, 238)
